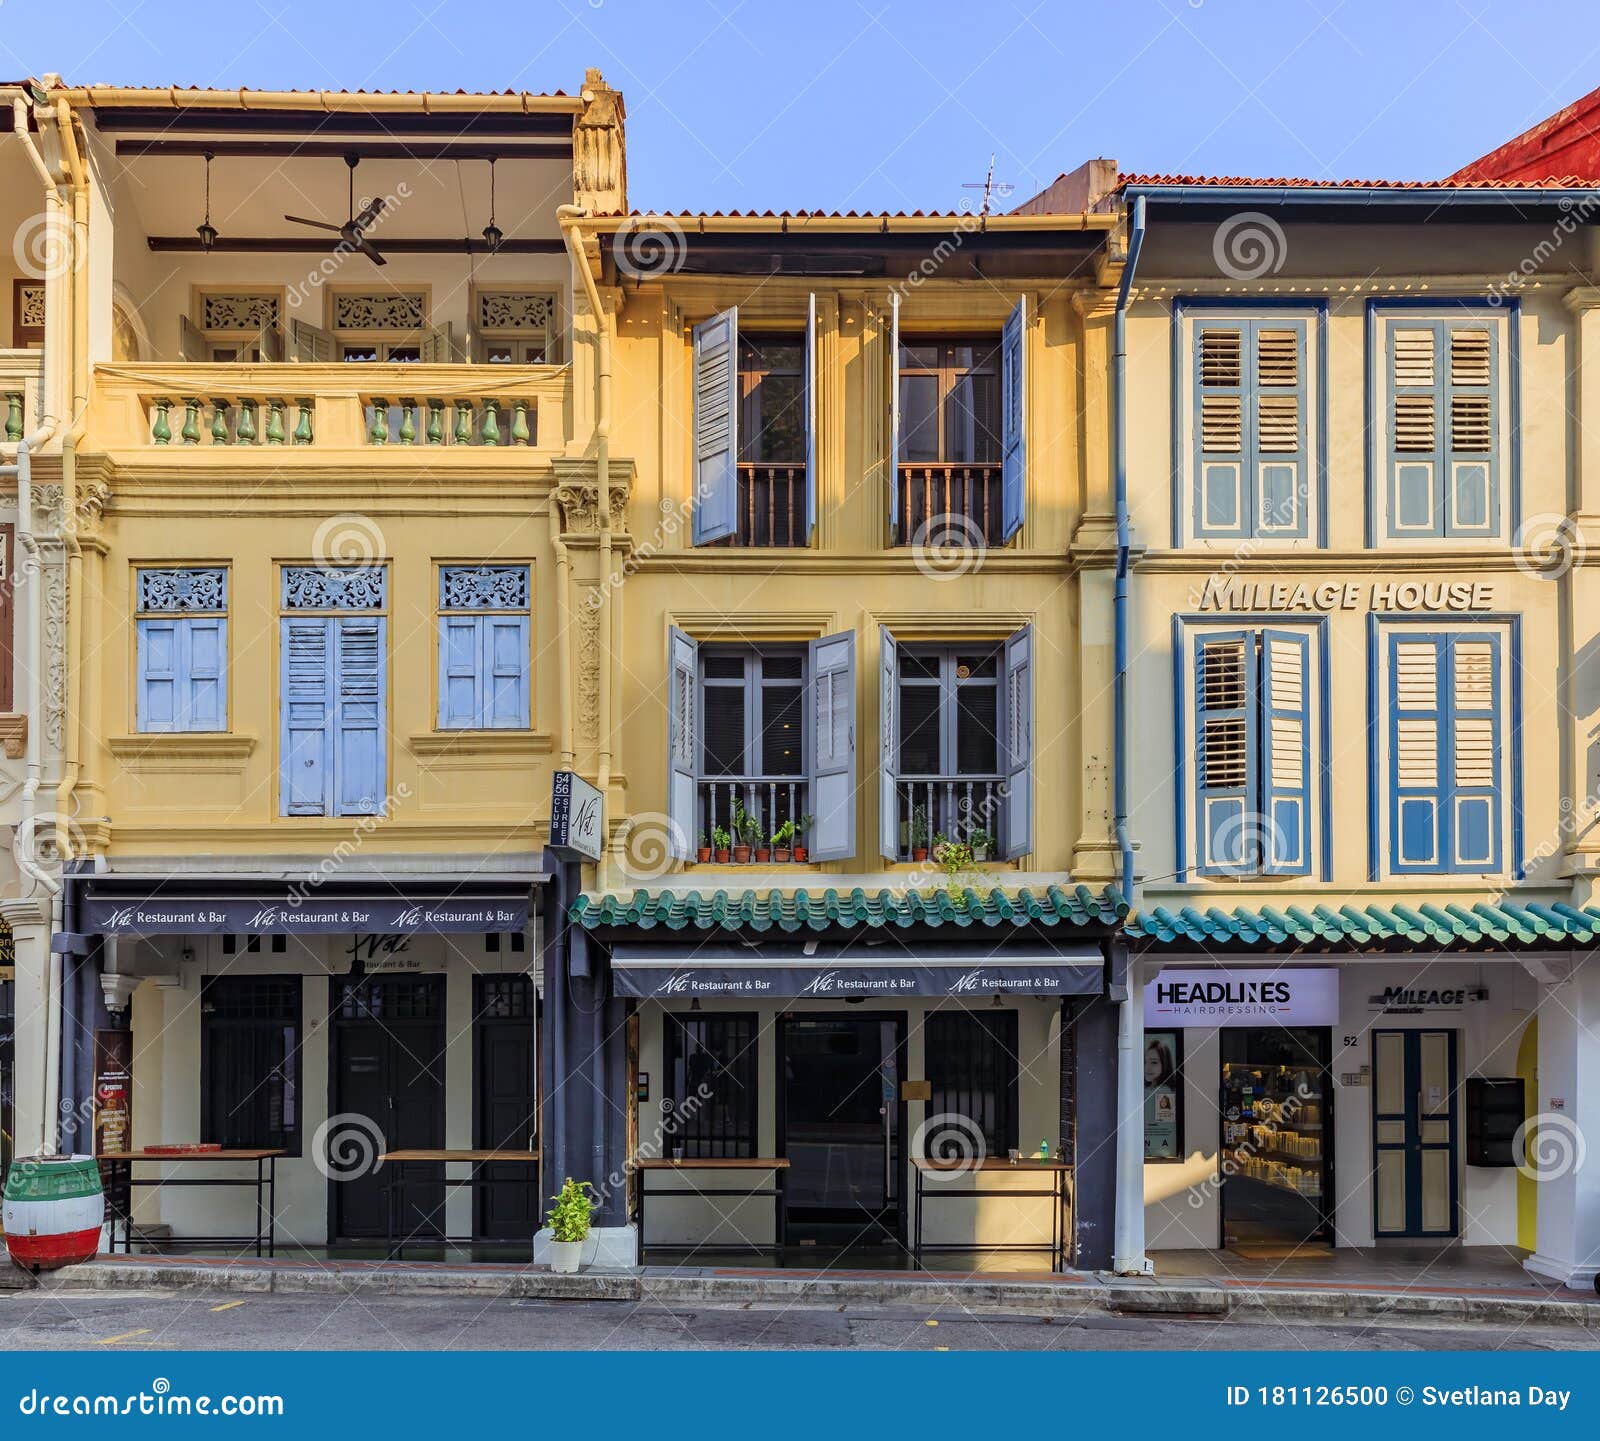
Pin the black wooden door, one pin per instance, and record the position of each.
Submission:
(388, 1080)
(505, 1059)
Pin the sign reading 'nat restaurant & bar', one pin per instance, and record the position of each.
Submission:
(244, 917)
(1286, 997)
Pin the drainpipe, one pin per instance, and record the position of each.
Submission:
(571, 217)
(28, 543)
(1119, 442)
(73, 638)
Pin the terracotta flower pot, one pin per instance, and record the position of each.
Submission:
(741, 855)
(919, 853)
(722, 856)
(800, 855)
(781, 855)
(703, 854)
(763, 855)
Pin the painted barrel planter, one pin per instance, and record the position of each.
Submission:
(54, 1208)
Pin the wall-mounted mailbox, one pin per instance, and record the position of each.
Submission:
(1496, 1109)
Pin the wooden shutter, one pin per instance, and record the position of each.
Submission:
(1279, 460)
(460, 672)
(683, 741)
(1016, 814)
(269, 341)
(191, 340)
(203, 649)
(1013, 420)
(832, 686)
(894, 413)
(359, 697)
(306, 715)
(439, 345)
(1474, 818)
(1222, 504)
(1225, 736)
(505, 672)
(812, 410)
(716, 427)
(1415, 742)
(888, 745)
(308, 343)
(1285, 691)
(160, 675)
(1414, 428)
(1470, 493)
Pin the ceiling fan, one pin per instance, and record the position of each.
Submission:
(353, 231)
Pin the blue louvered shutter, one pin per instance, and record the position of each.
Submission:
(505, 672)
(894, 414)
(1016, 815)
(306, 715)
(1471, 493)
(811, 417)
(204, 649)
(1013, 421)
(1222, 501)
(1285, 691)
(716, 427)
(832, 685)
(1225, 751)
(888, 745)
(159, 676)
(683, 741)
(1417, 753)
(359, 756)
(1474, 753)
(1279, 471)
(1416, 429)
(460, 672)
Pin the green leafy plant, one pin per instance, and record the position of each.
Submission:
(783, 835)
(919, 829)
(802, 828)
(982, 844)
(953, 856)
(569, 1217)
(747, 825)
(720, 838)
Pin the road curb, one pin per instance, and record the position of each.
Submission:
(1044, 1297)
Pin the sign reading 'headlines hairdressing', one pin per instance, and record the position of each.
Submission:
(1285, 997)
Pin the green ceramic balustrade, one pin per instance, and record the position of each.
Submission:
(13, 415)
(161, 431)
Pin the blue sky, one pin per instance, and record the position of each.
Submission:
(873, 104)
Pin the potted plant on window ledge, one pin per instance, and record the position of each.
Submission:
(746, 831)
(569, 1225)
(703, 852)
(783, 843)
(802, 828)
(919, 834)
(721, 841)
(982, 844)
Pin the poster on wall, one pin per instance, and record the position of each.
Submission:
(1289, 996)
(1162, 1052)
(113, 1091)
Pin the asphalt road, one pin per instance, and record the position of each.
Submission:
(205, 1320)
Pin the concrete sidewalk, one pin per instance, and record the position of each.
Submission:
(1068, 1294)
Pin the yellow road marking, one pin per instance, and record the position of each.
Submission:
(930, 1323)
(125, 1336)
(227, 1306)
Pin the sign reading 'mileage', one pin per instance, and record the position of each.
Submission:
(1228, 593)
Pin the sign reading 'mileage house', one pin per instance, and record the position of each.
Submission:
(1228, 593)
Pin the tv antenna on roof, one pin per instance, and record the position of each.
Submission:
(990, 188)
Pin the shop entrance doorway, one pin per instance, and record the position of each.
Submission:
(841, 1123)
(1277, 1132)
(505, 1030)
(1414, 1124)
(388, 1085)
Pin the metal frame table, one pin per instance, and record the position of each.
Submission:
(1058, 1171)
(778, 1165)
(116, 1172)
(395, 1188)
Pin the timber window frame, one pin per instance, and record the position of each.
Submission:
(485, 659)
(1446, 738)
(1249, 407)
(1444, 402)
(711, 1086)
(181, 649)
(1250, 724)
(252, 1039)
(970, 1060)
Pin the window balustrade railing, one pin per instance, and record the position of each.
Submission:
(963, 808)
(767, 803)
(950, 505)
(772, 504)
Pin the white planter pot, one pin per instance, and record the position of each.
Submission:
(566, 1256)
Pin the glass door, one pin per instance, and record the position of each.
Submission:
(1277, 1132)
(840, 1126)
(1414, 1133)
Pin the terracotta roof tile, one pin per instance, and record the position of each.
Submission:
(1240, 182)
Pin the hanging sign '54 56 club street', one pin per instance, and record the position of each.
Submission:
(575, 816)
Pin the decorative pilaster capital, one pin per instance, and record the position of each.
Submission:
(1582, 298)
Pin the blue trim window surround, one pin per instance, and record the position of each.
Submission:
(1443, 461)
(181, 638)
(1447, 706)
(1252, 764)
(333, 698)
(1248, 402)
(484, 615)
